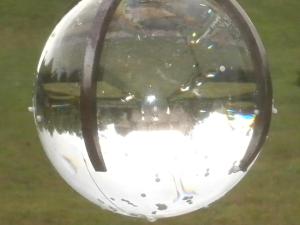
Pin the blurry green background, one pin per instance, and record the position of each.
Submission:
(32, 193)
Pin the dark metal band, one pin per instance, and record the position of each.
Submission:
(261, 71)
(88, 103)
(88, 99)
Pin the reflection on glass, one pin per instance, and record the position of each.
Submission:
(176, 105)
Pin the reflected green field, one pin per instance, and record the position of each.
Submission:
(213, 90)
(32, 193)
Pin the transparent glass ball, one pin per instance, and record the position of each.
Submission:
(176, 105)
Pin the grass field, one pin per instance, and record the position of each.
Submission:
(31, 192)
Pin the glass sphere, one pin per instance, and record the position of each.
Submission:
(177, 101)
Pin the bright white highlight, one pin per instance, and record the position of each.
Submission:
(166, 166)
(151, 99)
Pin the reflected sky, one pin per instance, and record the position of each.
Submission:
(155, 174)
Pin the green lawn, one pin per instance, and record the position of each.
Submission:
(31, 192)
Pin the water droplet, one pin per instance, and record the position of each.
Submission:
(198, 84)
(168, 65)
(157, 178)
(143, 195)
(168, 111)
(128, 202)
(186, 198)
(161, 207)
(209, 11)
(150, 99)
(30, 109)
(128, 98)
(207, 173)
(222, 68)
(210, 75)
(184, 89)
(39, 118)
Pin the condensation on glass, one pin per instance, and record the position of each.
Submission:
(177, 100)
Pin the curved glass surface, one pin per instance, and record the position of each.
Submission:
(176, 105)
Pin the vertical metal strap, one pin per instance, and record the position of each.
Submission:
(88, 97)
(262, 75)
